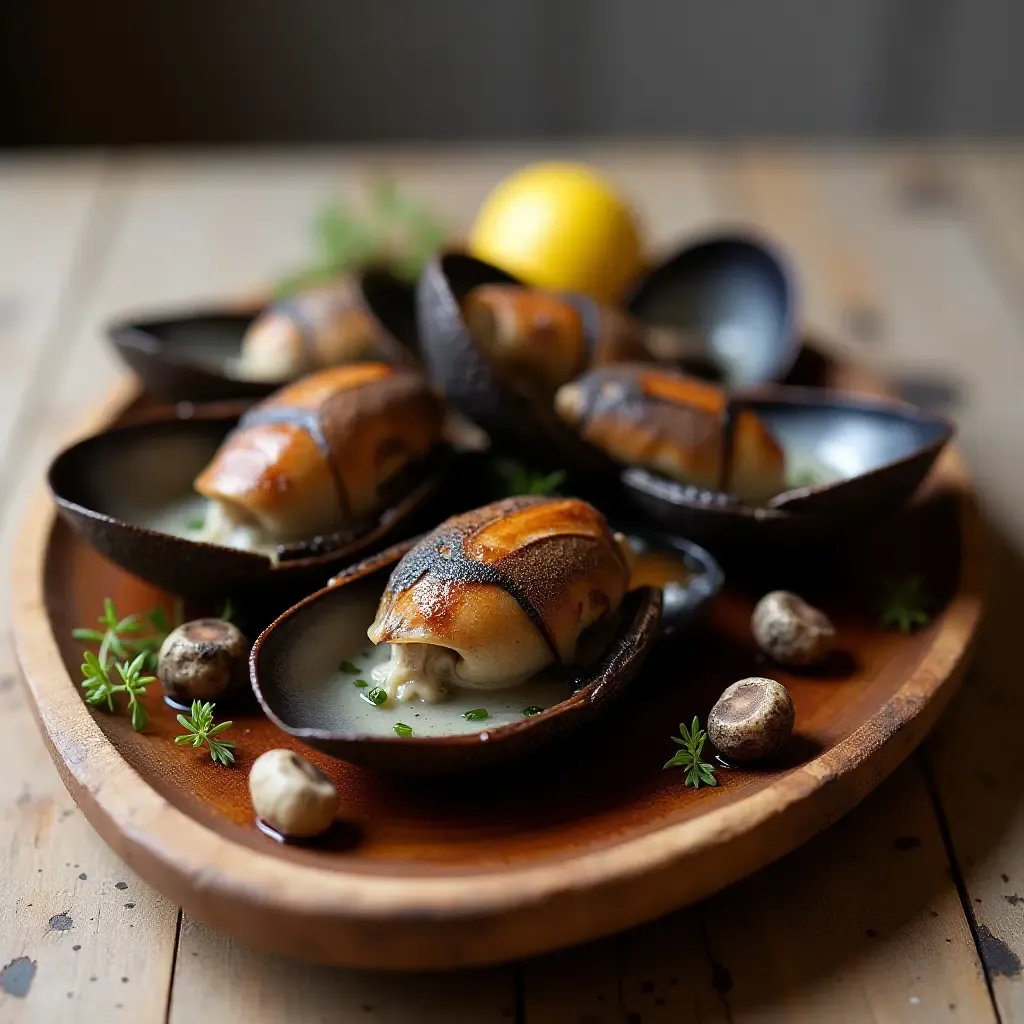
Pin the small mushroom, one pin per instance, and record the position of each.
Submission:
(752, 720)
(291, 795)
(206, 659)
(790, 630)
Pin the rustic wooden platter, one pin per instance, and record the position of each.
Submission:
(447, 874)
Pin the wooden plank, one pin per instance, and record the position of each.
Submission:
(217, 975)
(863, 924)
(855, 925)
(991, 186)
(963, 282)
(76, 930)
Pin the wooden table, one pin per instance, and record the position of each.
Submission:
(910, 908)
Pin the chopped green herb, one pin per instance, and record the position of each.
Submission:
(347, 666)
(531, 710)
(199, 729)
(195, 525)
(376, 696)
(401, 729)
(691, 742)
(227, 610)
(904, 606)
(101, 689)
(520, 480)
(393, 229)
(361, 684)
(476, 715)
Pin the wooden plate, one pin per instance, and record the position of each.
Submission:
(437, 875)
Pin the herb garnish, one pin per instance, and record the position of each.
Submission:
(376, 696)
(347, 666)
(403, 730)
(531, 710)
(476, 715)
(360, 684)
(101, 689)
(195, 525)
(119, 637)
(904, 606)
(692, 744)
(393, 230)
(200, 729)
(520, 480)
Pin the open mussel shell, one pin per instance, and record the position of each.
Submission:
(515, 422)
(193, 356)
(736, 294)
(870, 454)
(660, 557)
(294, 675)
(128, 492)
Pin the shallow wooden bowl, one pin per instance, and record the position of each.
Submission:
(421, 875)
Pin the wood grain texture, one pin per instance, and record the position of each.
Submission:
(73, 921)
(933, 318)
(219, 975)
(975, 756)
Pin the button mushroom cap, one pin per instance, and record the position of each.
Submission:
(790, 630)
(752, 720)
(206, 659)
(291, 795)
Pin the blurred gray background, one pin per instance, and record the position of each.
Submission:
(339, 70)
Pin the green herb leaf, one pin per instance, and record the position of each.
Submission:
(904, 605)
(199, 729)
(401, 729)
(392, 230)
(691, 742)
(376, 696)
(476, 715)
(347, 666)
(227, 610)
(520, 480)
(531, 710)
(195, 525)
(360, 684)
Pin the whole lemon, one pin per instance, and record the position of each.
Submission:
(562, 227)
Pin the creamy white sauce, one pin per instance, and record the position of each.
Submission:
(188, 517)
(441, 718)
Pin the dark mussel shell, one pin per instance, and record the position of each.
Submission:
(735, 291)
(515, 422)
(298, 652)
(107, 485)
(188, 356)
(682, 603)
(883, 449)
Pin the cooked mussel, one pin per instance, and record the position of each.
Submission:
(731, 296)
(250, 352)
(676, 426)
(772, 470)
(207, 500)
(497, 632)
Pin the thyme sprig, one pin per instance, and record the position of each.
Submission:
(691, 742)
(904, 605)
(199, 729)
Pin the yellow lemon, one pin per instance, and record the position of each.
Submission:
(562, 227)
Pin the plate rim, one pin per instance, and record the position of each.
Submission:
(415, 921)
